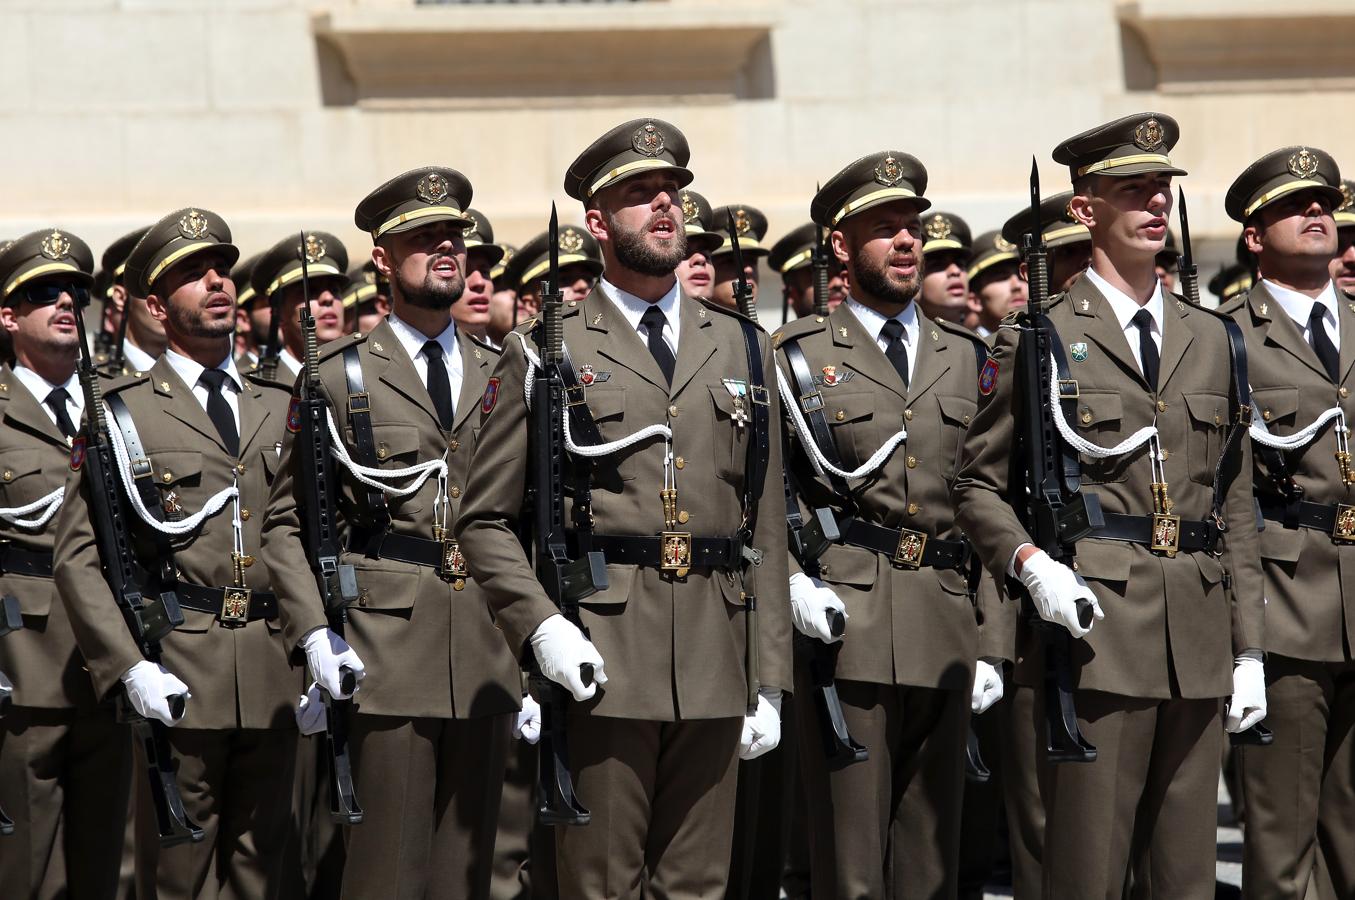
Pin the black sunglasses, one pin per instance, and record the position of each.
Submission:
(48, 292)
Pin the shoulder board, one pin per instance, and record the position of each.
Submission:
(257, 379)
(484, 345)
(572, 308)
(1220, 313)
(526, 325)
(116, 383)
(797, 328)
(1234, 304)
(338, 345)
(712, 305)
(959, 331)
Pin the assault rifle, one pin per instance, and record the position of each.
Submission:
(269, 357)
(821, 274)
(743, 291)
(1052, 509)
(148, 602)
(566, 582)
(337, 583)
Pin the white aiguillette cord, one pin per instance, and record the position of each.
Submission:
(820, 462)
(214, 504)
(51, 502)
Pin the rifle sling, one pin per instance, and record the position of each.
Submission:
(584, 430)
(1239, 416)
(812, 405)
(364, 446)
(1071, 469)
(759, 441)
(140, 465)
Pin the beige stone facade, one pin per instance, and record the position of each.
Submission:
(283, 113)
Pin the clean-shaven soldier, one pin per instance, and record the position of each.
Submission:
(65, 764)
(210, 440)
(885, 396)
(430, 730)
(276, 277)
(655, 741)
(143, 337)
(1172, 638)
(1301, 340)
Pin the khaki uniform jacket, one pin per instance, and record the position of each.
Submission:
(41, 658)
(674, 648)
(1162, 614)
(1310, 580)
(239, 677)
(914, 627)
(430, 651)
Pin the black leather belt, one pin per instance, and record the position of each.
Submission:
(1337, 520)
(1167, 534)
(233, 606)
(444, 556)
(904, 546)
(17, 561)
(670, 551)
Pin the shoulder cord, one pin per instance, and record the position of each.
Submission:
(369, 475)
(820, 462)
(1261, 434)
(1081, 444)
(52, 502)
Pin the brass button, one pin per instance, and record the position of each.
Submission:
(1265, 414)
(244, 514)
(1218, 419)
(818, 318)
(672, 412)
(454, 492)
(453, 445)
(380, 452)
(1074, 565)
(840, 415)
(743, 595)
(1162, 406)
(680, 462)
(1344, 392)
(825, 569)
(907, 415)
(1086, 417)
(683, 516)
(1166, 454)
(167, 476)
(913, 509)
(965, 420)
(912, 462)
(8, 475)
(239, 468)
(363, 596)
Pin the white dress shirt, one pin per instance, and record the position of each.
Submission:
(289, 362)
(190, 371)
(1300, 307)
(633, 307)
(40, 387)
(1126, 307)
(874, 323)
(136, 359)
(413, 340)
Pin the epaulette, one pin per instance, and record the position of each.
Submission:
(1219, 313)
(712, 305)
(483, 344)
(122, 382)
(525, 326)
(1234, 303)
(256, 378)
(338, 345)
(800, 327)
(960, 331)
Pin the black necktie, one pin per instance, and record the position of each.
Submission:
(439, 385)
(219, 411)
(57, 401)
(653, 320)
(1321, 341)
(1148, 358)
(895, 350)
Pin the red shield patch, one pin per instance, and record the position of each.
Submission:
(77, 453)
(294, 415)
(988, 377)
(491, 396)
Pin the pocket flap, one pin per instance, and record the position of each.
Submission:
(1104, 560)
(957, 410)
(33, 593)
(1095, 407)
(386, 584)
(395, 440)
(845, 564)
(1280, 543)
(1207, 408)
(1210, 568)
(605, 403)
(171, 467)
(619, 581)
(21, 463)
(841, 407)
(1276, 402)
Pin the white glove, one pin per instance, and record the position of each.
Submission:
(762, 730)
(987, 687)
(149, 687)
(561, 649)
(527, 725)
(326, 653)
(1247, 706)
(810, 605)
(1055, 590)
(311, 716)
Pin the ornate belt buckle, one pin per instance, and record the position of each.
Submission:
(675, 551)
(1343, 529)
(235, 607)
(452, 569)
(909, 551)
(1166, 536)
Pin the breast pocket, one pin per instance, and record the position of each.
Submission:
(607, 406)
(1278, 408)
(1208, 413)
(855, 425)
(21, 480)
(956, 414)
(1098, 418)
(732, 420)
(397, 447)
(178, 475)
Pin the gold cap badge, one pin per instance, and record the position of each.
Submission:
(571, 241)
(1347, 198)
(432, 188)
(314, 249)
(1149, 135)
(938, 228)
(1003, 244)
(742, 223)
(55, 246)
(193, 225)
(471, 229)
(647, 140)
(1303, 164)
(690, 212)
(889, 172)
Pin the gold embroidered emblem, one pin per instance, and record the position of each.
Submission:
(471, 229)
(571, 241)
(1003, 244)
(1344, 527)
(938, 228)
(432, 188)
(677, 551)
(1347, 198)
(690, 211)
(235, 607)
(909, 551)
(889, 172)
(314, 249)
(1086, 305)
(55, 246)
(1149, 135)
(193, 225)
(742, 222)
(647, 140)
(1303, 164)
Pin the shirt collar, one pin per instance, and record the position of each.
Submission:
(189, 371)
(1126, 307)
(633, 307)
(138, 359)
(291, 362)
(1300, 306)
(413, 340)
(874, 321)
(40, 387)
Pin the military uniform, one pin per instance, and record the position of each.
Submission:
(431, 726)
(1148, 679)
(235, 747)
(653, 753)
(128, 358)
(65, 764)
(1300, 792)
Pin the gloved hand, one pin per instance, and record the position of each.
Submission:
(987, 687)
(311, 716)
(149, 688)
(1247, 706)
(811, 604)
(527, 725)
(762, 730)
(1055, 590)
(561, 649)
(326, 654)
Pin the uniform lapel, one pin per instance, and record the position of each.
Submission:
(1100, 325)
(27, 412)
(475, 366)
(849, 333)
(1345, 317)
(622, 345)
(393, 367)
(932, 360)
(1176, 337)
(178, 401)
(253, 412)
(695, 345)
(1279, 329)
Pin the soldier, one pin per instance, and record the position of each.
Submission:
(793, 258)
(253, 313)
(65, 764)
(143, 338)
(471, 313)
(370, 298)
(431, 728)
(1150, 432)
(996, 287)
(1230, 282)
(209, 438)
(580, 260)
(946, 250)
(1300, 333)
(503, 302)
(1167, 264)
(276, 277)
(887, 826)
(654, 741)
(696, 272)
(1067, 240)
(1343, 263)
(751, 226)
